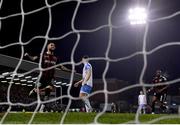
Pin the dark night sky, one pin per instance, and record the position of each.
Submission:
(125, 41)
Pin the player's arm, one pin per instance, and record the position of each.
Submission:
(149, 90)
(33, 58)
(145, 100)
(64, 68)
(166, 86)
(85, 79)
(163, 89)
(77, 83)
(152, 88)
(138, 100)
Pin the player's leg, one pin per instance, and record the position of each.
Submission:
(36, 89)
(140, 108)
(47, 91)
(46, 86)
(32, 91)
(162, 100)
(144, 109)
(85, 90)
(154, 99)
(41, 110)
(86, 101)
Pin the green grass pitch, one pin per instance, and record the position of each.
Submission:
(83, 118)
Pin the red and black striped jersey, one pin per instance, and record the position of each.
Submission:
(159, 79)
(49, 60)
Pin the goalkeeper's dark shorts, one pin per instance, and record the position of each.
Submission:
(160, 96)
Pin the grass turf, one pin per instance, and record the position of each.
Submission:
(83, 118)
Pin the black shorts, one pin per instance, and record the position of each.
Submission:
(160, 96)
(44, 82)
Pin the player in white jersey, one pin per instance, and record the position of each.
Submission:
(86, 82)
(142, 102)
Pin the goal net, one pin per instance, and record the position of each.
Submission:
(121, 54)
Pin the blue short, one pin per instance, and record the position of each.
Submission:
(142, 106)
(86, 89)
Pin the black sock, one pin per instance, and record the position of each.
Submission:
(47, 92)
(153, 106)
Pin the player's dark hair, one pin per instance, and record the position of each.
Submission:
(85, 57)
(159, 71)
(50, 42)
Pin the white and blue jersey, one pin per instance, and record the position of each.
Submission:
(87, 86)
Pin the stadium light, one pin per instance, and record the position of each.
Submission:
(6, 73)
(23, 80)
(29, 81)
(35, 78)
(58, 83)
(8, 78)
(20, 76)
(29, 85)
(17, 83)
(68, 84)
(28, 77)
(137, 16)
(16, 79)
(64, 83)
(57, 86)
(11, 82)
(4, 81)
(1, 76)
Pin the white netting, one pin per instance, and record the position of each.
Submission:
(78, 32)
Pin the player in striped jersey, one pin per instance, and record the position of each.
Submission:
(45, 82)
(160, 92)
